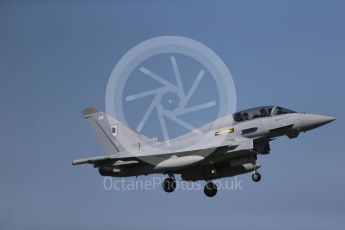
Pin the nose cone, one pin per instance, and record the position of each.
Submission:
(308, 122)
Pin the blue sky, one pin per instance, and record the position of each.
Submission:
(56, 58)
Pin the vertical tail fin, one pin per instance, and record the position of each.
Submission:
(113, 135)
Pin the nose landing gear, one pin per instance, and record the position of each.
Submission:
(256, 177)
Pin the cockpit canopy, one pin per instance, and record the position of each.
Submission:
(265, 111)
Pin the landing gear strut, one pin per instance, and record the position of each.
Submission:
(169, 184)
(210, 189)
(256, 177)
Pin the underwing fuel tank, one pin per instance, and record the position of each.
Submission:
(222, 170)
(177, 162)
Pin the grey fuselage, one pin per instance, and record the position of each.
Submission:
(230, 146)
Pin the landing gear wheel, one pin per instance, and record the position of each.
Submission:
(256, 177)
(210, 189)
(169, 185)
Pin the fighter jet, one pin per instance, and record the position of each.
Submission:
(232, 148)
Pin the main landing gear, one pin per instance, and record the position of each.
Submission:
(169, 184)
(210, 189)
